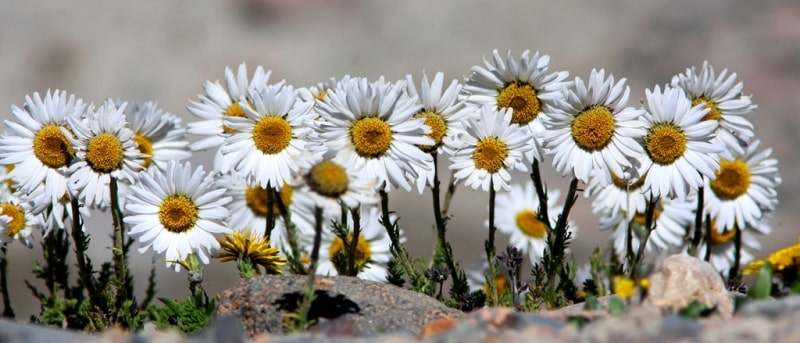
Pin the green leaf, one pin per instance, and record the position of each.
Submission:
(616, 305)
(763, 285)
(591, 303)
(696, 309)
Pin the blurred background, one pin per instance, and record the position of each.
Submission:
(163, 51)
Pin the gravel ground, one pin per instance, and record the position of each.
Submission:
(163, 51)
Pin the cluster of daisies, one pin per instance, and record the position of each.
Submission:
(341, 145)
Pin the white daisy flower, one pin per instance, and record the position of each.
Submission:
(369, 127)
(17, 218)
(679, 144)
(268, 143)
(37, 147)
(517, 216)
(521, 84)
(721, 95)
(723, 245)
(105, 148)
(592, 128)
(623, 194)
(744, 186)
(476, 279)
(177, 212)
(672, 218)
(443, 113)
(491, 148)
(220, 102)
(372, 248)
(249, 208)
(330, 185)
(318, 92)
(158, 135)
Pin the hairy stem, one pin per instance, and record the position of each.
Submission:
(8, 311)
(490, 249)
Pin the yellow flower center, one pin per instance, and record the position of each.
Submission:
(234, 110)
(500, 283)
(321, 96)
(17, 215)
(178, 213)
(145, 147)
(363, 252)
(733, 179)
(371, 136)
(256, 199)
(529, 224)
(720, 238)
(328, 178)
(665, 143)
(522, 98)
(105, 153)
(641, 217)
(51, 147)
(490, 153)
(438, 129)
(714, 113)
(623, 183)
(593, 128)
(272, 134)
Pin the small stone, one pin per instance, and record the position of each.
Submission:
(681, 279)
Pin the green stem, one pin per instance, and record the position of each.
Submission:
(441, 227)
(352, 243)
(448, 196)
(8, 311)
(85, 273)
(270, 215)
(490, 249)
(119, 246)
(561, 233)
(649, 227)
(541, 192)
(308, 293)
(733, 274)
(698, 223)
(398, 250)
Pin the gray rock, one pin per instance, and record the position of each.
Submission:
(348, 307)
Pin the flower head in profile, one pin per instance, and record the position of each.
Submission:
(250, 248)
(330, 185)
(267, 145)
(744, 187)
(369, 127)
(35, 144)
(105, 148)
(678, 143)
(592, 129)
(177, 212)
(519, 84)
(722, 245)
(671, 219)
(722, 96)
(490, 149)
(372, 248)
(158, 135)
(623, 194)
(518, 217)
(220, 102)
(443, 113)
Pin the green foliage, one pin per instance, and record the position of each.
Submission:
(696, 309)
(763, 285)
(616, 305)
(188, 316)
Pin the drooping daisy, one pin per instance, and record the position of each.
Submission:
(268, 143)
(177, 212)
(250, 248)
(158, 135)
(105, 148)
(521, 84)
(369, 127)
(723, 245)
(249, 207)
(36, 145)
(678, 142)
(372, 249)
(721, 95)
(490, 148)
(517, 216)
(592, 128)
(330, 186)
(787, 258)
(443, 113)
(220, 102)
(17, 218)
(744, 186)
(672, 219)
(623, 194)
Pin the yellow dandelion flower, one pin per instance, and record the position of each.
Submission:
(624, 287)
(780, 260)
